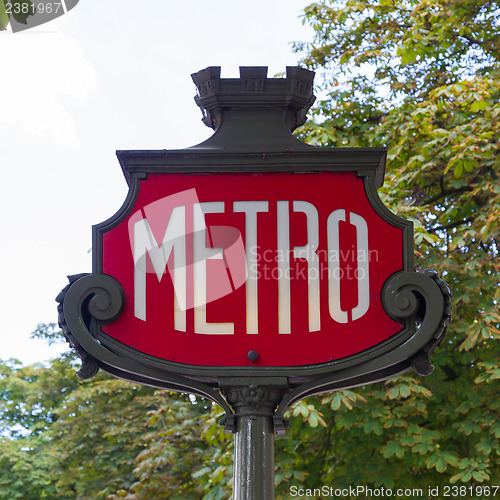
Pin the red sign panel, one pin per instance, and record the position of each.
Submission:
(289, 266)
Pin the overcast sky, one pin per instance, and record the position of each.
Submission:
(108, 75)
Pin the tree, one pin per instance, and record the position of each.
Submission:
(24, 471)
(29, 397)
(423, 79)
(102, 438)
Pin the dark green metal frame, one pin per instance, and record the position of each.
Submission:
(252, 117)
(405, 294)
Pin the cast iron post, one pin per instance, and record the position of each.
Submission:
(254, 402)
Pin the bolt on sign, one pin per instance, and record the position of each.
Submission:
(254, 263)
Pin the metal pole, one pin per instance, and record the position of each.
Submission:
(254, 459)
(254, 401)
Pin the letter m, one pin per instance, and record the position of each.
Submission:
(146, 244)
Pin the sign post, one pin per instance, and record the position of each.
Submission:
(254, 270)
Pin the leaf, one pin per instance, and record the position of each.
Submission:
(345, 398)
(393, 448)
(470, 165)
(480, 476)
(300, 476)
(422, 448)
(464, 477)
(440, 460)
(459, 167)
(486, 445)
(408, 56)
(4, 17)
(313, 420)
(468, 427)
(478, 106)
(470, 341)
(373, 427)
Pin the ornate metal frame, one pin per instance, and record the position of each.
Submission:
(419, 300)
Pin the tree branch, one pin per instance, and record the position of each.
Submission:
(444, 193)
(450, 226)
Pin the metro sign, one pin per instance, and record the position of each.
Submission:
(254, 259)
(252, 269)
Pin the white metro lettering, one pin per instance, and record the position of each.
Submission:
(334, 271)
(175, 241)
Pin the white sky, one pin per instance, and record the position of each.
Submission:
(108, 75)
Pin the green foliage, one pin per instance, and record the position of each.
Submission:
(409, 46)
(421, 78)
(24, 470)
(103, 438)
